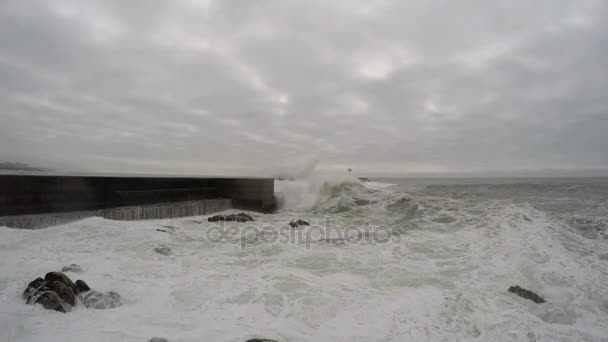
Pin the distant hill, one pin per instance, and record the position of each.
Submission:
(8, 166)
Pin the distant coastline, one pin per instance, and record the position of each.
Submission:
(8, 166)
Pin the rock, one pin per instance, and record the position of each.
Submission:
(261, 340)
(63, 291)
(57, 292)
(527, 294)
(32, 288)
(98, 300)
(245, 216)
(163, 250)
(82, 286)
(72, 268)
(241, 217)
(298, 223)
(60, 277)
(51, 301)
(158, 339)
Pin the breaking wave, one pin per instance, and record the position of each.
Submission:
(454, 252)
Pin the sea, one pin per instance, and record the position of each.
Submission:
(381, 260)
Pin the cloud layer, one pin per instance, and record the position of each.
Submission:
(242, 87)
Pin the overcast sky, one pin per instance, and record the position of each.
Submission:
(244, 87)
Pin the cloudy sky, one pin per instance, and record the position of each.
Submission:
(246, 87)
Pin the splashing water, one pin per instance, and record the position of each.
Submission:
(442, 273)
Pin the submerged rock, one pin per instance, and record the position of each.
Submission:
(443, 218)
(72, 268)
(298, 223)
(361, 202)
(240, 217)
(98, 300)
(527, 294)
(163, 250)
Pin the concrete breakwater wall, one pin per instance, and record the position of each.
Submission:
(37, 201)
(143, 212)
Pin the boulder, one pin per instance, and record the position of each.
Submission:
(32, 288)
(82, 286)
(57, 292)
(72, 268)
(63, 291)
(51, 301)
(98, 300)
(163, 250)
(298, 223)
(240, 217)
(527, 294)
(62, 278)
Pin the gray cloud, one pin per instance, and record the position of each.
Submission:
(237, 87)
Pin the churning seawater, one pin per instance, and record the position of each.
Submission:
(388, 260)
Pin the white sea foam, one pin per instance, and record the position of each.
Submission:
(444, 275)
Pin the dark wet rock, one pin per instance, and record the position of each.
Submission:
(32, 288)
(298, 223)
(158, 339)
(82, 286)
(527, 294)
(163, 250)
(241, 217)
(261, 340)
(50, 301)
(62, 278)
(72, 268)
(98, 300)
(63, 291)
(57, 292)
(362, 202)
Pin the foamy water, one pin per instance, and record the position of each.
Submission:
(395, 264)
